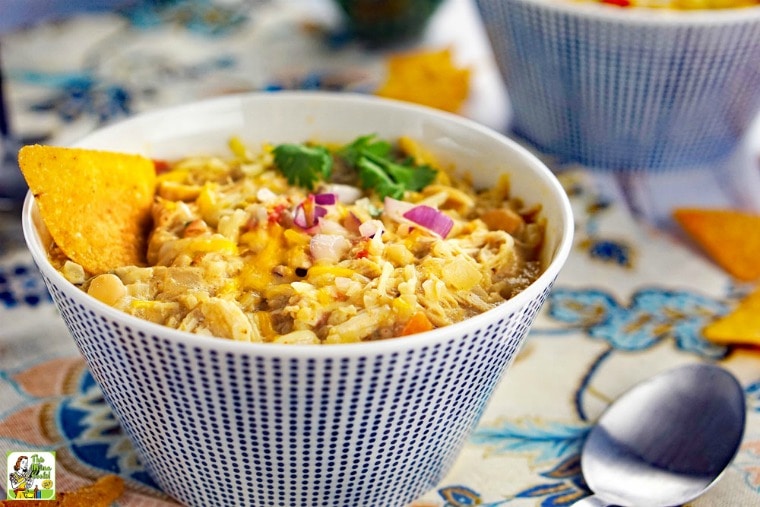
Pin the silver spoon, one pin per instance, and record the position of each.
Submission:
(666, 441)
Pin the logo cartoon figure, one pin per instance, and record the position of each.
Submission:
(21, 477)
(31, 474)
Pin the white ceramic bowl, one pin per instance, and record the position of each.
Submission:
(219, 422)
(627, 89)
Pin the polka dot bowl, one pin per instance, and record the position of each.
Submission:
(628, 89)
(218, 422)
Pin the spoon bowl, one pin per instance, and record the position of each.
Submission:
(667, 440)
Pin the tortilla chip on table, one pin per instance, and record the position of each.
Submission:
(427, 77)
(739, 327)
(730, 237)
(101, 493)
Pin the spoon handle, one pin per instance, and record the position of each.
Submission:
(591, 501)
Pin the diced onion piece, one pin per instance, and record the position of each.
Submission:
(327, 226)
(319, 212)
(369, 228)
(326, 199)
(395, 209)
(352, 222)
(302, 220)
(431, 219)
(329, 247)
(347, 194)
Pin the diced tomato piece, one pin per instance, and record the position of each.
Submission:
(161, 166)
(276, 213)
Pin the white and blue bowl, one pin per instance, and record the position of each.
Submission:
(627, 89)
(218, 422)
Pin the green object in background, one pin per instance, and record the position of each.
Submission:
(382, 22)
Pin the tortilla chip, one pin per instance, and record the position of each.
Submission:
(95, 204)
(740, 327)
(427, 77)
(730, 237)
(100, 494)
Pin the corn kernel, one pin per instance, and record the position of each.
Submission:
(107, 288)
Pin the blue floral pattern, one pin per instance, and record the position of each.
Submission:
(94, 435)
(546, 442)
(563, 488)
(652, 315)
(204, 17)
(753, 396)
(22, 285)
(610, 251)
(459, 496)
(567, 487)
(81, 95)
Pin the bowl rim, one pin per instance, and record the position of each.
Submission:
(397, 344)
(647, 17)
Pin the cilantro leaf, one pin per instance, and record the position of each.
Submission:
(303, 165)
(408, 175)
(372, 158)
(362, 145)
(372, 176)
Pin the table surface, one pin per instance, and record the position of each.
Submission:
(631, 301)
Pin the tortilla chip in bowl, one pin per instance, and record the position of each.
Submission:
(371, 423)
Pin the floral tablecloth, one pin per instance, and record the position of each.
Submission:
(631, 301)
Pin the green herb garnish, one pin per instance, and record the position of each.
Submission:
(303, 165)
(372, 175)
(363, 145)
(370, 157)
(405, 173)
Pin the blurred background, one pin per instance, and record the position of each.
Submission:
(69, 67)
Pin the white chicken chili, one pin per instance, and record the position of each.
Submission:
(309, 243)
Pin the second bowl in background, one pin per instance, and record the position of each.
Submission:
(627, 88)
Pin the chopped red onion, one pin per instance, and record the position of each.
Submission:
(348, 194)
(431, 219)
(326, 199)
(303, 219)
